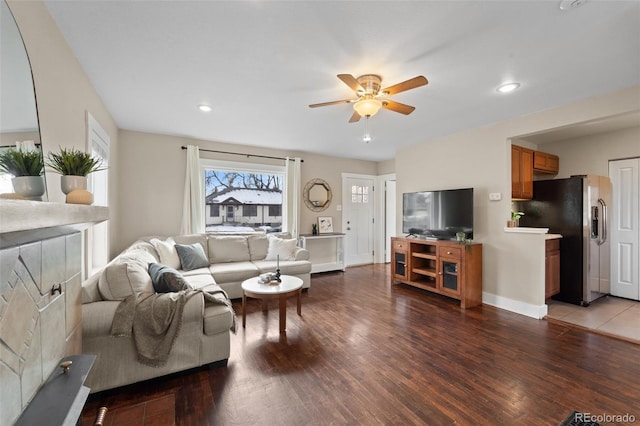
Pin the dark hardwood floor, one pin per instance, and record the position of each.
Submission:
(364, 352)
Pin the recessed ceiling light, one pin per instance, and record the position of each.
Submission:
(508, 87)
(366, 138)
(204, 108)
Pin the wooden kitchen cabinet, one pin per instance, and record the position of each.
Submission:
(521, 172)
(552, 268)
(545, 163)
(443, 267)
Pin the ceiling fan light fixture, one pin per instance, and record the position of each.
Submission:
(508, 87)
(368, 106)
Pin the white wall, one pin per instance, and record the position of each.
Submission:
(152, 181)
(591, 154)
(63, 95)
(481, 158)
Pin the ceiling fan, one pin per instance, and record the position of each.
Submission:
(371, 98)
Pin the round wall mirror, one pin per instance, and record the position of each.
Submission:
(317, 195)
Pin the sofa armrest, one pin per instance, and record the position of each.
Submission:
(97, 317)
(301, 254)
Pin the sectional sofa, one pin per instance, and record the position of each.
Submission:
(204, 335)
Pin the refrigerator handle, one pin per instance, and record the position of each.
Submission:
(604, 222)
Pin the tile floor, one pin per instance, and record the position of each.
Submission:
(608, 315)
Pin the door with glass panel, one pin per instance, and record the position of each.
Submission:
(358, 219)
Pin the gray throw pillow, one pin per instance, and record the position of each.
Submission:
(192, 256)
(166, 279)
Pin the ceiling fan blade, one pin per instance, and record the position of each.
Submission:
(344, 101)
(355, 117)
(397, 107)
(412, 83)
(351, 81)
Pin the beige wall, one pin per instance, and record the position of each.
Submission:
(591, 154)
(63, 94)
(151, 188)
(481, 158)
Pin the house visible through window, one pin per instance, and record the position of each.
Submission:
(249, 195)
(249, 210)
(275, 210)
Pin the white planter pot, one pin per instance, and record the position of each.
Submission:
(70, 183)
(30, 187)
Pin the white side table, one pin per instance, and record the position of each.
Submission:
(290, 286)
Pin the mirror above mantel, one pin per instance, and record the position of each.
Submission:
(317, 195)
(18, 108)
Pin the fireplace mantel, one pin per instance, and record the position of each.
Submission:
(23, 221)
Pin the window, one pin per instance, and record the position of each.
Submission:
(250, 211)
(275, 210)
(244, 190)
(359, 194)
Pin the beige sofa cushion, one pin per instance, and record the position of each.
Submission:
(258, 245)
(122, 278)
(233, 272)
(144, 246)
(228, 248)
(199, 281)
(217, 318)
(287, 267)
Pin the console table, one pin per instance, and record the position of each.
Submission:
(326, 251)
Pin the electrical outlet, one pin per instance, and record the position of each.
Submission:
(495, 196)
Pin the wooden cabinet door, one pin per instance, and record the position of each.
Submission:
(399, 259)
(521, 172)
(450, 277)
(526, 173)
(552, 268)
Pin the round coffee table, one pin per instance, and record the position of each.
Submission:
(290, 286)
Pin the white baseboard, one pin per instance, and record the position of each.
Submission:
(522, 308)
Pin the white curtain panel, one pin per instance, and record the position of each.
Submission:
(292, 214)
(193, 206)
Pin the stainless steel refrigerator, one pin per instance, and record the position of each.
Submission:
(577, 208)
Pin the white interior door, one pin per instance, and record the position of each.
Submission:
(358, 219)
(390, 217)
(625, 228)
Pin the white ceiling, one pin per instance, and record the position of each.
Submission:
(260, 63)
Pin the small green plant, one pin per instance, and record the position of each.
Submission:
(17, 162)
(516, 215)
(73, 162)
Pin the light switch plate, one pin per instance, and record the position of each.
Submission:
(339, 207)
(495, 196)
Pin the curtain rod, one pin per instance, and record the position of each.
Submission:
(244, 155)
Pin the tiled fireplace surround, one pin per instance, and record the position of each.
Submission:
(40, 251)
(37, 328)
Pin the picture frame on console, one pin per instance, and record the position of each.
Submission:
(325, 224)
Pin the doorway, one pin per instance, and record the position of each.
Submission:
(625, 228)
(358, 225)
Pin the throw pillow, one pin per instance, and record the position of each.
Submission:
(120, 279)
(166, 279)
(167, 252)
(281, 247)
(192, 256)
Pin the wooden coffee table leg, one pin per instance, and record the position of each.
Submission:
(283, 313)
(244, 310)
(299, 302)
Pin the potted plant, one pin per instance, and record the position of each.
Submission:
(26, 167)
(74, 166)
(515, 218)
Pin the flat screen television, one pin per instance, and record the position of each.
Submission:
(438, 214)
